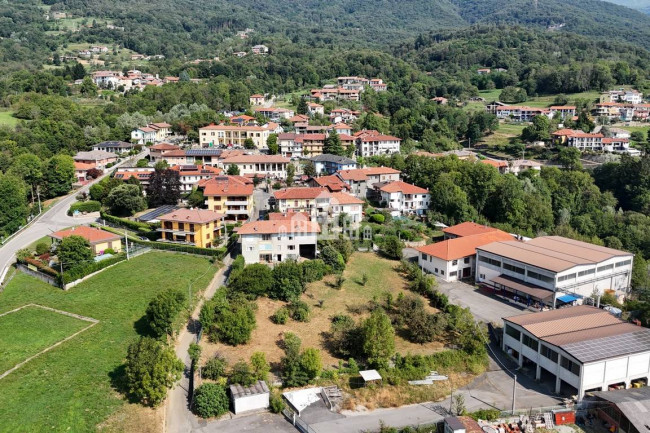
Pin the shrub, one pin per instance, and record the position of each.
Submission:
(486, 414)
(333, 258)
(215, 368)
(109, 251)
(255, 280)
(377, 218)
(277, 185)
(42, 248)
(364, 279)
(276, 403)
(392, 247)
(195, 353)
(310, 363)
(338, 283)
(280, 316)
(299, 311)
(313, 270)
(378, 339)
(287, 281)
(229, 321)
(82, 270)
(344, 335)
(210, 400)
(241, 374)
(85, 206)
(260, 368)
(163, 311)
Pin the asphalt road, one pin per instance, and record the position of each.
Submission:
(56, 218)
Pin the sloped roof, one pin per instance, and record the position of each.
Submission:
(468, 228)
(457, 248)
(198, 216)
(301, 193)
(226, 186)
(92, 235)
(252, 159)
(343, 198)
(279, 226)
(403, 187)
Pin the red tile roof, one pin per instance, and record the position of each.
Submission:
(198, 216)
(164, 146)
(343, 198)
(83, 166)
(279, 226)
(92, 235)
(252, 159)
(468, 229)
(494, 163)
(403, 187)
(288, 216)
(333, 183)
(457, 248)
(301, 193)
(226, 186)
(196, 170)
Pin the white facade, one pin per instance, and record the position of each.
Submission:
(402, 204)
(249, 167)
(276, 247)
(143, 135)
(378, 145)
(447, 270)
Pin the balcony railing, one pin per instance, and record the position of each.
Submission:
(236, 203)
(175, 231)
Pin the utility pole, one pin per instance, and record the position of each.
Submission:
(514, 392)
(38, 194)
(469, 141)
(126, 241)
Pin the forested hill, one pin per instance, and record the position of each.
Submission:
(641, 5)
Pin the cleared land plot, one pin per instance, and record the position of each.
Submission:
(28, 331)
(74, 387)
(7, 119)
(503, 135)
(382, 279)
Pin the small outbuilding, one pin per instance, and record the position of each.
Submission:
(248, 398)
(370, 376)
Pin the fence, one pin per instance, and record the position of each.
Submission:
(49, 279)
(296, 421)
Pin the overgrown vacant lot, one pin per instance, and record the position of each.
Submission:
(382, 279)
(26, 332)
(71, 387)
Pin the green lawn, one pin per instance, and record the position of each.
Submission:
(26, 332)
(71, 387)
(7, 119)
(503, 135)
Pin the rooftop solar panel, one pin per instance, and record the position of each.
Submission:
(203, 152)
(609, 347)
(162, 210)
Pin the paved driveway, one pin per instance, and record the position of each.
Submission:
(257, 423)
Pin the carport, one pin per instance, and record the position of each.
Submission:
(522, 289)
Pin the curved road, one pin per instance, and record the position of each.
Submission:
(56, 218)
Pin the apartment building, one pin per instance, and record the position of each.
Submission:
(233, 135)
(372, 143)
(402, 198)
(273, 166)
(229, 195)
(190, 175)
(197, 227)
(277, 240)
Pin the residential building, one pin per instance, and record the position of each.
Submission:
(455, 258)
(275, 114)
(197, 227)
(315, 109)
(332, 183)
(617, 145)
(378, 85)
(257, 99)
(178, 157)
(275, 241)
(290, 146)
(630, 96)
(97, 158)
(342, 128)
(229, 195)
(514, 166)
(273, 166)
(483, 71)
(244, 119)
(99, 240)
(554, 270)
(372, 143)
(81, 171)
(314, 201)
(260, 49)
(106, 79)
(343, 115)
(362, 180)
(329, 164)
(344, 203)
(144, 135)
(114, 146)
(579, 349)
(157, 151)
(520, 113)
(312, 144)
(143, 174)
(231, 135)
(191, 175)
(402, 198)
(585, 141)
(465, 229)
(563, 110)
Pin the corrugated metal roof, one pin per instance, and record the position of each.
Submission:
(238, 391)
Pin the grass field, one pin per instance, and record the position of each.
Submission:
(28, 331)
(74, 386)
(7, 119)
(383, 279)
(503, 135)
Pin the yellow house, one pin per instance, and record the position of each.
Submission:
(230, 195)
(99, 240)
(197, 227)
(224, 135)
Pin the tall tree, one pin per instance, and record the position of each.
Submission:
(29, 168)
(272, 144)
(164, 188)
(333, 144)
(302, 106)
(378, 339)
(125, 200)
(73, 251)
(291, 172)
(233, 170)
(13, 206)
(59, 175)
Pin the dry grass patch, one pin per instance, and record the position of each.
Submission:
(134, 418)
(350, 299)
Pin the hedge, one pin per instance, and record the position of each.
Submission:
(133, 225)
(39, 265)
(85, 206)
(81, 271)
(215, 252)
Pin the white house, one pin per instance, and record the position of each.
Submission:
(274, 166)
(144, 135)
(290, 144)
(314, 201)
(403, 198)
(329, 164)
(314, 109)
(553, 270)
(371, 143)
(579, 349)
(344, 203)
(114, 146)
(275, 241)
(190, 175)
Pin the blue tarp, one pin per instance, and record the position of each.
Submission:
(567, 298)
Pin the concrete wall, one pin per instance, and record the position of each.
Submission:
(251, 402)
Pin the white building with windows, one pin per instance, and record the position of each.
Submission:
(554, 270)
(402, 198)
(579, 349)
(278, 240)
(344, 203)
(273, 166)
(372, 143)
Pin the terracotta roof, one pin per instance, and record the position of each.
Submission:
(196, 170)
(175, 153)
(198, 216)
(360, 174)
(164, 146)
(83, 166)
(161, 125)
(140, 175)
(288, 216)
(562, 132)
(301, 193)
(563, 107)
(554, 253)
(233, 128)
(146, 129)
(333, 183)
(278, 226)
(494, 163)
(342, 198)
(403, 187)
(226, 186)
(257, 95)
(92, 235)
(251, 159)
(380, 137)
(457, 248)
(468, 229)
(373, 171)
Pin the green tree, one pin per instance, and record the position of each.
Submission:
(249, 143)
(259, 366)
(59, 175)
(73, 251)
(287, 281)
(29, 168)
(88, 88)
(392, 247)
(378, 338)
(291, 172)
(215, 368)
(13, 206)
(210, 400)
(126, 199)
(100, 190)
(333, 144)
(196, 198)
(272, 144)
(233, 170)
(242, 374)
(302, 106)
(309, 169)
(256, 280)
(163, 311)
(332, 258)
(232, 321)
(569, 158)
(151, 368)
(195, 353)
(310, 363)
(164, 188)
(538, 130)
(142, 163)
(512, 94)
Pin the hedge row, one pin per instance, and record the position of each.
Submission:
(85, 206)
(133, 225)
(214, 252)
(40, 266)
(81, 271)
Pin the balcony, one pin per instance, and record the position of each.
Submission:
(237, 211)
(236, 203)
(175, 231)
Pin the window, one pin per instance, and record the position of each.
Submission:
(453, 274)
(530, 342)
(624, 263)
(605, 268)
(513, 332)
(566, 277)
(515, 269)
(442, 272)
(454, 262)
(436, 270)
(549, 353)
(466, 260)
(424, 256)
(540, 277)
(571, 366)
(266, 237)
(207, 235)
(587, 272)
(490, 261)
(181, 226)
(291, 247)
(191, 227)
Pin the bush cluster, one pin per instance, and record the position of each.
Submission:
(82, 270)
(85, 206)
